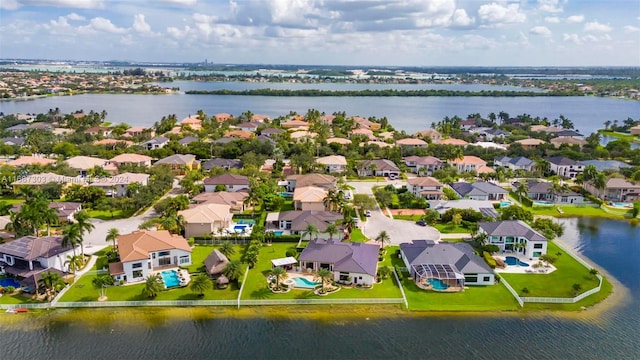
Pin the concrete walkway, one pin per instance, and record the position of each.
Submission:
(88, 267)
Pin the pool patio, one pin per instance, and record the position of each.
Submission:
(517, 269)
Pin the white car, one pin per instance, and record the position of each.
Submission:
(367, 213)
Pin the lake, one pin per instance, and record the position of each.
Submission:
(118, 334)
(405, 113)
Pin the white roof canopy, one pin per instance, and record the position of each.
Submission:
(284, 261)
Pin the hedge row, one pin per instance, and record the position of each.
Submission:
(489, 259)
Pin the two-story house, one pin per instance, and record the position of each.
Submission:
(514, 236)
(423, 165)
(232, 182)
(479, 190)
(467, 164)
(426, 187)
(333, 163)
(378, 167)
(565, 167)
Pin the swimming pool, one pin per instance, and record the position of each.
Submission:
(249, 222)
(514, 261)
(6, 282)
(542, 203)
(437, 284)
(278, 233)
(621, 205)
(170, 278)
(505, 203)
(301, 282)
(240, 228)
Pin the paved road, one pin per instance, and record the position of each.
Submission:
(95, 240)
(399, 230)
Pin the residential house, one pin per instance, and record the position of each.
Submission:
(222, 117)
(491, 134)
(239, 134)
(361, 122)
(112, 143)
(215, 263)
(568, 133)
(431, 134)
(453, 265)
(423, 165)
(137, 131)
(85, 163)
(64, 210)
(13, 141)
(412, 143)
(309, 198)
(485, 207)
(260, 118)
(250, 127)
(232, 182)
(302, 135)
(426, 187)
(543, 191)
(561, 140)
(516, 163)
(205, 219)
(235, 200)
(291, 124)
(350, 263)
(225, 164)
(271, 132)
(453, 142)
(134, 159)
(479, 190)
(31, 160)
(155, 143)
(336, 140)
(469, 124)
(142, 252)
(188, 140)
(192, 121)
(333, 163)
(545, 129)
(635, 130)
(565, 167)
(18, 128)
(117, 185)
(319, 180)
(468, 164)
(528, 144)
(99, 131)
(179, 164)
(616, 190)
(30, 255)
(378, 167)
(296, 222)
(514, 236)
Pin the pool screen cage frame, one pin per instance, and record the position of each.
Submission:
(438, 271)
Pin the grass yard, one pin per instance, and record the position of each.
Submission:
(408, 217)
(287, 206)
(255, 287)
(452, 229)
(358, 236)
(591, 300)
(573, 211)
(556, 284)
(17, 299)
(6, 200)
(107, 215)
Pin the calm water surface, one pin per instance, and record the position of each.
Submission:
(613, 245)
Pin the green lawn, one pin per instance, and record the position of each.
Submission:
(556, 284)
(17, 299)
(358, 236)
(408, 217)
(5, 200)
(255, 287)
(452, 229)
(604, 292)
(573, 211)
(106, 215)
(288, 205)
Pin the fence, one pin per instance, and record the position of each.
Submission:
(513, 292)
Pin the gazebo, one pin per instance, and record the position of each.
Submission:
(285, 263)
(222, 282)
(438, 277)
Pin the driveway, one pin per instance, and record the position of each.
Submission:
(399, 231)
(95, 240)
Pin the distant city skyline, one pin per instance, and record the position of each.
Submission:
(332, 32)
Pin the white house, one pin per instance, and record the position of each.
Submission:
(514, 236)
(423, 165)
(142, 252)
(232, 182)
(116, 185)
(29, 255)
(565, 167)
(333, 163)
(426, 187)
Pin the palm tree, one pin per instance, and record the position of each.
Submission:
(332, 229)
(70, 236)
(82, 219)
(227, 249)
(233, 270)
(279, 274)
(112, 235)
(324, 275)
(522, 188)
(600, 182)
(152, 286)
(349, 223)
(383, 238)
(51, 282)
(201, 283)
(310, 230)
(50, 217)
(74, 263)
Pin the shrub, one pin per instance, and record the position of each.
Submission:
(291, 252)
(191, 241)
(489, 259)
(524, 291)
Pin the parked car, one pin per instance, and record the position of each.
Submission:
(367, 213)
(421, 223)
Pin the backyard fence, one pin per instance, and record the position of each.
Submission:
(513, 292)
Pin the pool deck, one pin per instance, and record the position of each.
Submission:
(516, 269)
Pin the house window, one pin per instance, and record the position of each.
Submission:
(486, 279)
(137, 274)
(344, 276)
(184, 259)
(164, 261)
(136, 266)
(164, 253)
(537, 246)
(471, 279)
(153, 255)
(537, 254)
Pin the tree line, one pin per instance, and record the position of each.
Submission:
(383, 93)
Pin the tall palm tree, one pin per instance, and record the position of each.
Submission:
(349, 223)
(600, 182)
(233, 270)
(522, 188)
(383, 238)
(201, 283)
(71, 236)
(50, 217)
(112, 235)
(74, 263)
(152, 286)
(51, 282)
(332, 229)
(82, 219)
(279, 274)
(310, 231)
(324, 275)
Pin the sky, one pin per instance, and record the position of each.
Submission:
(326, 32)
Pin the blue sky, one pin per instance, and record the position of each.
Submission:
(336, 32)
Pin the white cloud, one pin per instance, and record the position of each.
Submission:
(574, 38)
(551, 6)
(75, 17)
(9, 5)
(180, 2)
(495, 13)
(140, 25)
(573, 19)
(630, 28)
(596, 27)
(552, 19)
(541, 31)
(178, 34)
(105, 25)
(460, 18)
(79, 4)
